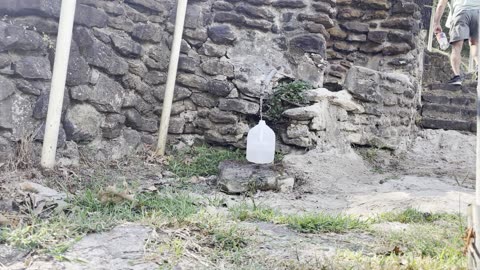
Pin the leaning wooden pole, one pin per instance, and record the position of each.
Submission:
(473, 253)
(57, 91)
(171, 78)
(430, 29)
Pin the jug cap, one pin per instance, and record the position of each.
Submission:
(262, 122)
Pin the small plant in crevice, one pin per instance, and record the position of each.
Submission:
(201, 160)
(285, 96)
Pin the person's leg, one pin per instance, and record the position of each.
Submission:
(458, 34)
(474, 50)
(456, 57)
(474, 34)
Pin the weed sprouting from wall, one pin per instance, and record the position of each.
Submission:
(286, 95)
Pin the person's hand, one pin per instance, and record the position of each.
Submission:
(437, 28)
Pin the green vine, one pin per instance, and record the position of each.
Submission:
(286, 95)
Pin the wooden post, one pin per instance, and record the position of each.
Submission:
(172, 74)
(57, 91)
(470, 225)
(474, 256)
(430, 30)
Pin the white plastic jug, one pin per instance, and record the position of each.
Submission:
(261, 144)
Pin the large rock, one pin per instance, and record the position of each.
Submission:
(204, 100)
(40, 108)
(46, 8)
(255, 12)
(239, 105)
(107, 95)
(33, 87)
(147, 32)
(6, 114)
(356, 27)
(98, 54)
(180, 93)
(13, 37)
(120, 248)
(222, 117)
(218, 67)
(176, 125)
(220, 88)
(90, 16)
(42, 25)
(78, 69)
(20, 113)
(222, 34)
(188, 64)
(136, 121)
(363, 83)
(192, 81)
(82, 123)
(33, 67)
(310, 44)
(303, 113)
(342, 99)
(112, 127)
(151, 4)
(289, 4)
(375, 4)
(7, 88)
(236, 177)
(126, 46)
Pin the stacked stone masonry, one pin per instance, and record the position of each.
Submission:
(120, 54)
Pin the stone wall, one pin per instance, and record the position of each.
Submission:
(119, 61)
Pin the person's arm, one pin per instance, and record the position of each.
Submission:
(437, 28)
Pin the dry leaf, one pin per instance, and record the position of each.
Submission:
(396, 250)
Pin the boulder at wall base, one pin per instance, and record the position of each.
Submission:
(82, 123)
(237, 177)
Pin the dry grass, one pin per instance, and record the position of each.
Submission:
(23, 157)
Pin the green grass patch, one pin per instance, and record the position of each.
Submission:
(438, 244)
(88, 214)
(229, 239)
(306, 223)
(347, 259)
(411, 215)
(201, 160)
(321, 222)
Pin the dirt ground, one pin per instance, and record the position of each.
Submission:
(435, 177)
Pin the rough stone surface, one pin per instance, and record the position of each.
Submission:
(240, 106)
(238, 177)
(99, 54)
(122, 246)
(107, 96)
(120, 55)
(32, 67)
(78, 72)
(82, 123)
(16, 38)
(7, 88)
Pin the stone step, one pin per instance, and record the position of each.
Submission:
(455, 112)
(432, 123)
(449, 107)
(465, 88)
(463, 101)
